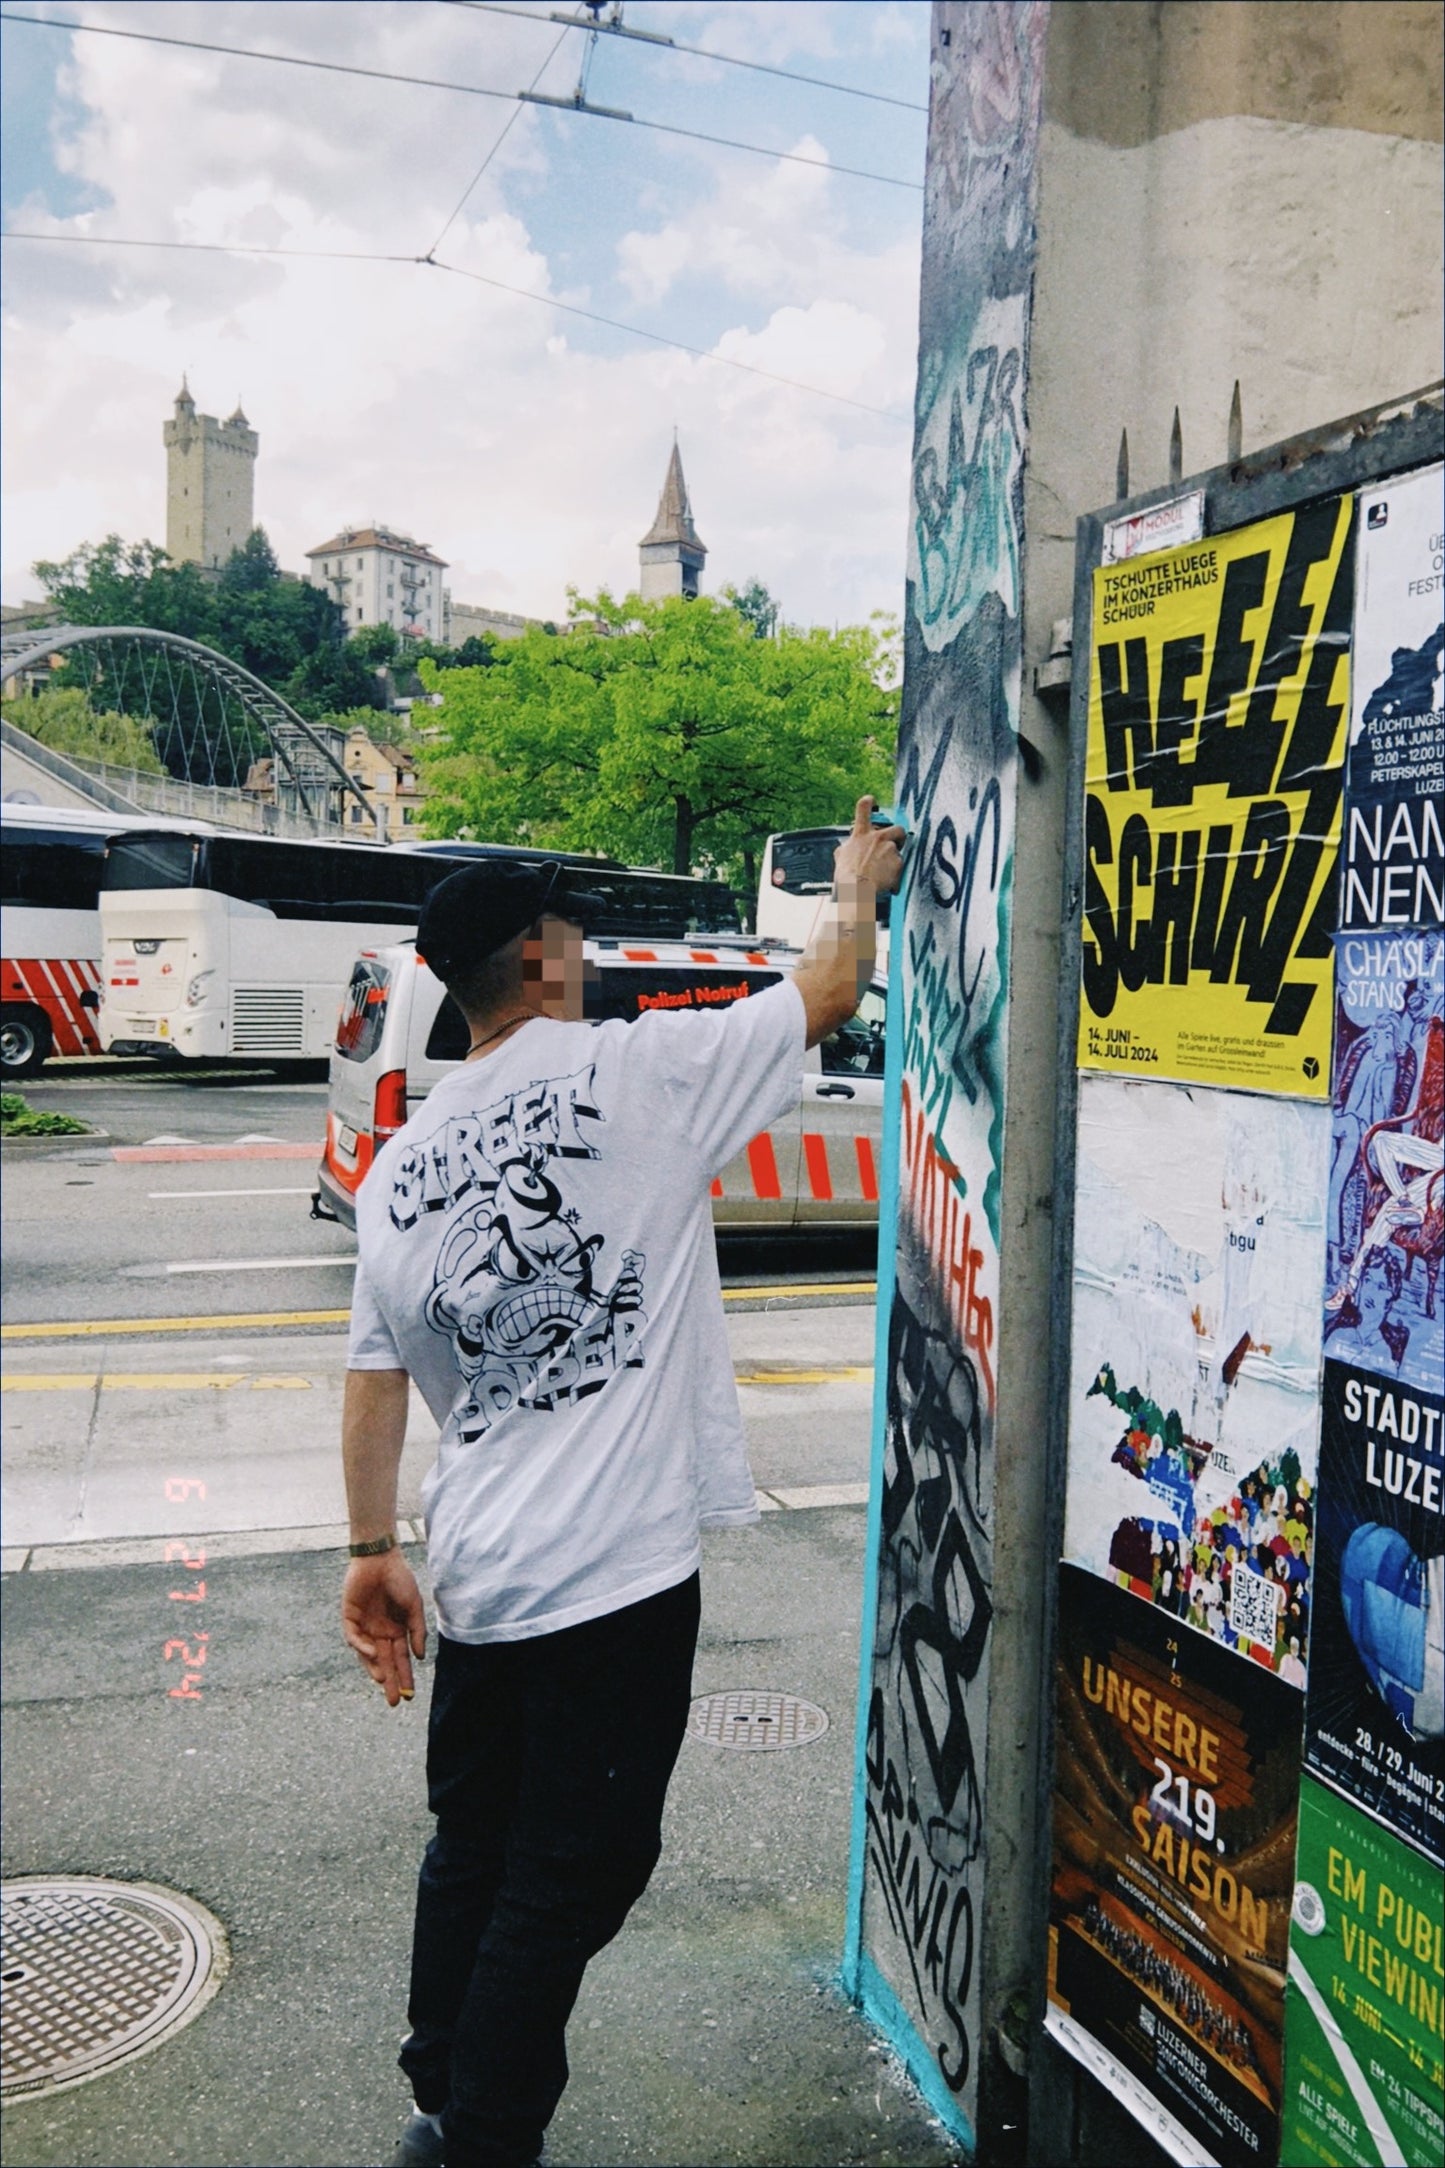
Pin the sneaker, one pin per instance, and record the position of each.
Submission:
(420, 2144)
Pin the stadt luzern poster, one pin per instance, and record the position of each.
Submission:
(1393, 869)
(1218, 717)
(1174, 1833)
(1194, 1395)
(1375, 1711)
(1363, 2058)
(1384, 1306)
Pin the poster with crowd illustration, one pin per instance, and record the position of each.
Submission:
(1193, 1403)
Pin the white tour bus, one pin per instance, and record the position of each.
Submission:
(797, 873)
(228, 946)
(51, 860)
(400, 1031)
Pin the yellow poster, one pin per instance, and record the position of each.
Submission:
(1218, 713)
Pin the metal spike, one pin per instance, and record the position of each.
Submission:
(1121, 470)
(1176, 450)
(1235, 450)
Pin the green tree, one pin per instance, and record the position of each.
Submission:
(376, 643)
(755, 604)
(131, 583)
(283, 630)
(475, 653)
(62, 718)
(665, 733)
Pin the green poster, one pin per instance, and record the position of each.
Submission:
(1364, 2082)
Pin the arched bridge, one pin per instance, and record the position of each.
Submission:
(210, 718)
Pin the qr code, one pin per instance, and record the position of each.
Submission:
(1253, 1606)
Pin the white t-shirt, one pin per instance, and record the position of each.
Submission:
(537, 1251)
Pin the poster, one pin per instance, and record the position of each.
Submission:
(1194, 1393)
(1174, 1834)
(1375, 1711)
(1393, 862)
(1363, 2006)
(1384, 1305)
(1218, 714)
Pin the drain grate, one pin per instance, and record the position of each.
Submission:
(755, 1720)
(95, 1973)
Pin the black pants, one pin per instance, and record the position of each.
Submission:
(547, 1767)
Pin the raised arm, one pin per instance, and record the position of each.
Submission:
(838, 962)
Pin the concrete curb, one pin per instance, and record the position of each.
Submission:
(329, 1536)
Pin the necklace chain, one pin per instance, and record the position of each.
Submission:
(506, 1025)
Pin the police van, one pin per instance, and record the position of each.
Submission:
(399, 1031)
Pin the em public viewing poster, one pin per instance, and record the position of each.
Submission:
(1364, 2083)
(1393, 861)
(1375, 1710)
(1194, 1395)
(1386, 1230)
(1218, 717)
(1174, 1831)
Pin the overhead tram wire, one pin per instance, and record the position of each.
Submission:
(479, 278)
(467, 90)
(693, 52)
(509, 124)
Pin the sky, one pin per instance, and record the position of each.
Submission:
(526, 445)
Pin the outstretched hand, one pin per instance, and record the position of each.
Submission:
(868, 853)
(383, 1620)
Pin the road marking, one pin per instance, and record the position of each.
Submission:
(99, 1328)
(104, 1328)
(771, 1293)
(306, 1192)
(143, 1381)
(260, 1264)
(84, 1381)
(843, 1371)
(154, 1155)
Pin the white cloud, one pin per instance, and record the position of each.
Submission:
(526, 448)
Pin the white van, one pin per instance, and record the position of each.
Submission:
(399, 1030)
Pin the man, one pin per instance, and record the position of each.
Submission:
(536, 1252)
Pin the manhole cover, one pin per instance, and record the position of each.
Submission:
(756, 1720)
(95, 1973)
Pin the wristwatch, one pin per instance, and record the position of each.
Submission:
(375, 1548)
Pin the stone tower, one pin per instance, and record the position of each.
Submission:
(671, 552)
(210, 483)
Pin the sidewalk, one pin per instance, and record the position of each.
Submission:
(290, 1802)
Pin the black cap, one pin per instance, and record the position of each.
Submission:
(471, 914)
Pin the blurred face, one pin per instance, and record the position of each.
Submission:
(554, 969)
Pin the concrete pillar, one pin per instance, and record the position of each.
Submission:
(945, 1801)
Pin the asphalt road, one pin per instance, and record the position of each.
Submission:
(172, 1319)
(90, 1235)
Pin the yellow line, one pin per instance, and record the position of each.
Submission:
(803, 1377)
(821, 1287)
(68, 1381)
(104, 1328)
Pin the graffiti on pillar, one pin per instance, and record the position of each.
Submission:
(923, 1777)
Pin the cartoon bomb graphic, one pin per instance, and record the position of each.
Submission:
(516, 1293)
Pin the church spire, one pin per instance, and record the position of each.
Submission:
(672, 552)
